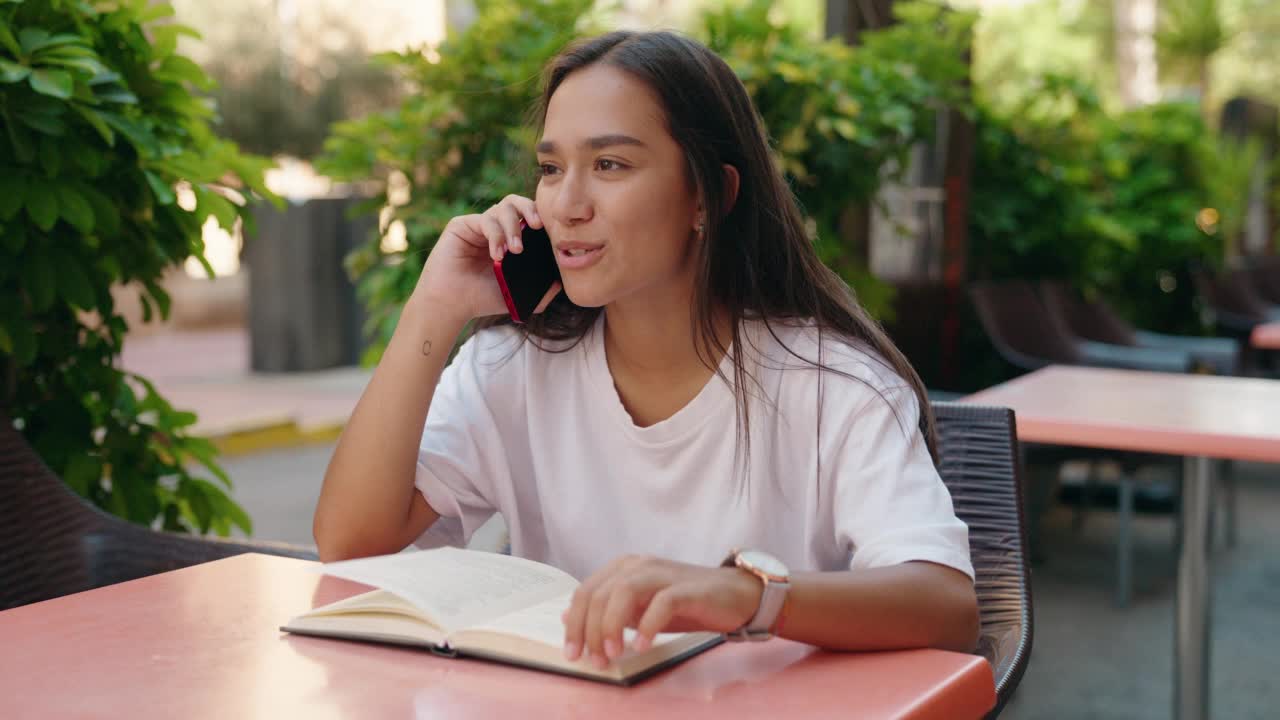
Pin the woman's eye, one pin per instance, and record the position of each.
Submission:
(606, 164)
(547, 169)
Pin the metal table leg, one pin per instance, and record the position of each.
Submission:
(1191, 611)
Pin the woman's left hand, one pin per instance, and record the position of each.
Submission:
(654, 595)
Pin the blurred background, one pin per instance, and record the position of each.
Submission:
(1111, 144)
(1119, 153)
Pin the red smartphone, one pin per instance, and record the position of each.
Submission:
(525, 277)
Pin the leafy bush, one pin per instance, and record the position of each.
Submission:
(840, 117)
(99, 125)
(1161, 174)
(1061, 189)
(844, 119)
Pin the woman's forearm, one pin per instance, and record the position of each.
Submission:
(914, 604)
(367, 504)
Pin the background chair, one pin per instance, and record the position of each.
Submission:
(1094, 319)
(1029, 336)
(978, 461)
(53, 542)
(1265, 273)
(1238, 308)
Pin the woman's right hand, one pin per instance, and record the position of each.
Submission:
(459, 271)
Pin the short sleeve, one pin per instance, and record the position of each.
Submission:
(890, 504)
(461, 460)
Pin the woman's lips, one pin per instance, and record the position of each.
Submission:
(577, 258)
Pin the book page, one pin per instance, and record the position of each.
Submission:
(456, 588)
(381, 627)
(374, 601)
(542, 623)
(534, 636)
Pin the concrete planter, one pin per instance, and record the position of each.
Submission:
(303, 313)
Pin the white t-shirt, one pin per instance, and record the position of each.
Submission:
(543, 438)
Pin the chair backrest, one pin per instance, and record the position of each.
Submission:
(53, 542)
(1232, 292)
(1020, 327)
(1266, 277)
(1088, 319)
(978, 461)
(42, 526)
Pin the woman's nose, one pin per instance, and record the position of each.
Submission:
(572, 204)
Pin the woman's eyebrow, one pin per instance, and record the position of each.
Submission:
(598, 142)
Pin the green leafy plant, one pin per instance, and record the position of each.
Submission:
(1063, 189)
(1032, 214)
(1155, 181)
(460, 141)
(1190, 34)
(844, 119)
(100, 125)
(1229, 166)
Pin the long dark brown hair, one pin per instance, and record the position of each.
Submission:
(757, 261)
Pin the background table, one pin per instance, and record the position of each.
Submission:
(203, 643)
(1195, 416)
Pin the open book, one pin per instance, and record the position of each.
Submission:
(478, 604)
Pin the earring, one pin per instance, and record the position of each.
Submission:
(702, 229)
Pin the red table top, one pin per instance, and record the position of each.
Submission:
(1225, 417)
(202, 642)
(1266, 336)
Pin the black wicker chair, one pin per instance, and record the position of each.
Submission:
(978, 460)
(53, 542)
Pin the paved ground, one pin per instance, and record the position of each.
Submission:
(1091, 660)
(279, 490)
(208, 371)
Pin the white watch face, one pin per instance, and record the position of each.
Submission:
(765, 562)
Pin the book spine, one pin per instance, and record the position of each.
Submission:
(443, 650)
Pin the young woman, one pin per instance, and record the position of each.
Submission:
(704, 426)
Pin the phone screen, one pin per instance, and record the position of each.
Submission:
(525, 277)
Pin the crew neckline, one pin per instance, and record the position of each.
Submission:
(715, 394)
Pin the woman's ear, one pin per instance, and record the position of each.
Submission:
(732, 182)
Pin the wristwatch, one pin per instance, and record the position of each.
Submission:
(776, 579)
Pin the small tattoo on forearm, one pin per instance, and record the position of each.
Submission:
(426, 348)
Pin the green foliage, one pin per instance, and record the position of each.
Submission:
(1228, 166)
(1191, 32)
(1157, 167)
(98, 124)
(839, 116)
(843, 119)
(1250, 64)
(1016, 44)
(1065, 190)
(461, 138)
